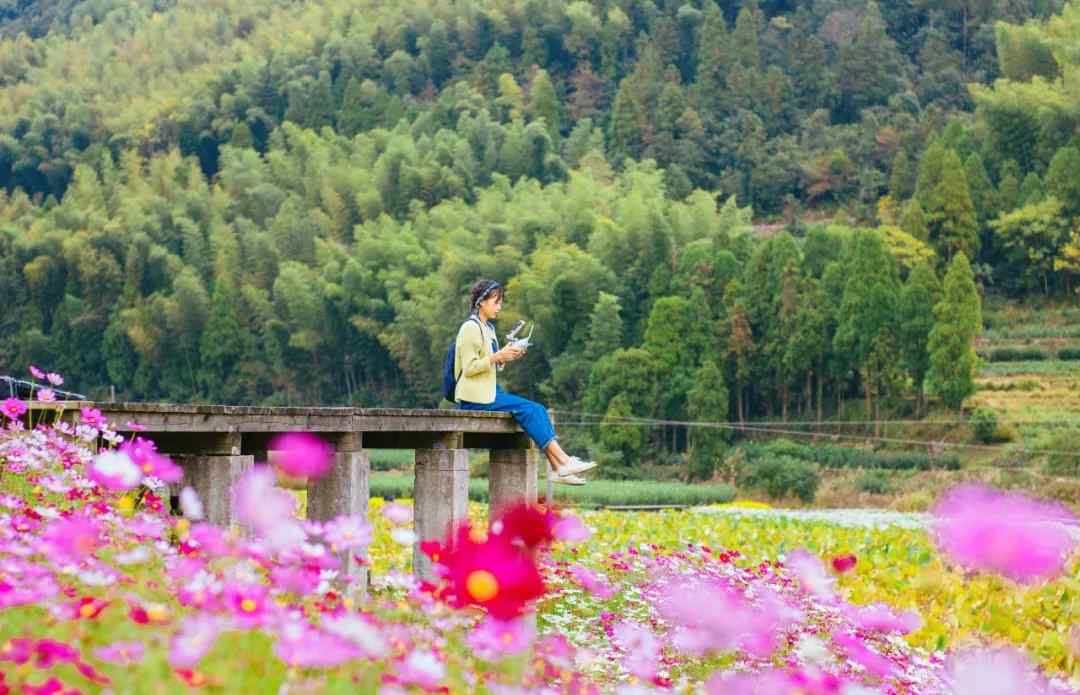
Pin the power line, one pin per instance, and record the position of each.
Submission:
(617, 421)
(864, 423)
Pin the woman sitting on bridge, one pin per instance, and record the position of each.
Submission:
(477, 355)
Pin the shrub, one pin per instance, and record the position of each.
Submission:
(1017, 354)
(1066, 462)
(1069, 354)
(838, 457)
(782, 476)
(876, 482)
(984, 423)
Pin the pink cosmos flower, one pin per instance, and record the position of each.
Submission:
(346, 532)
(811, 573)
(144, 454)
(642, 649)
(361, 632)
(421, 667)
(1000, 671)
(36, 373)
(55, 379)
(712, 617)
(114, 470)
(46, 395)
(73, 538)
(298, 580)
(134, 426)
(398, 514)
(494, 639)
(858, 651)
(592, 582)
(121, 653)
(1024, 539)
(92, 417)
(878, 617)
(570, 529)
(303, 455)
(303, 646)
(266, 509)
(250, 603)
(194, 639)
(211, 539)
(13, 408)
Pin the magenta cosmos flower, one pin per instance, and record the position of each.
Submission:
(1024, 539)
(302, 455)
(73, 538)
(13, 408)
(92, 417)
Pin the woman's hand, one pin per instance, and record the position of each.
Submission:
(508, 354)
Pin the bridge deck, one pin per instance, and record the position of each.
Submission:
(216, 443)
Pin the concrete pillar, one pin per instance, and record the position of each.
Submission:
(512, 477)
(441, 496)
(212, 477)
(343, 490)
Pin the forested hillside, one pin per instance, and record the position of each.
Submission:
(283, 202)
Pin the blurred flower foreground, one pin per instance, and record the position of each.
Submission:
(103, 590)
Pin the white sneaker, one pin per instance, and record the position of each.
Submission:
(576, 466)
(567, 479)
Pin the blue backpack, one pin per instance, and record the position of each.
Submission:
(449, 378)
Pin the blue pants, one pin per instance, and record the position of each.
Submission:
(532, 416)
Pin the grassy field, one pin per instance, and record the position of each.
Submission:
(598, 493)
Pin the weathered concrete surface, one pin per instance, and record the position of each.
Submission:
(512, 477)
(344, 490)
(441, 501)
(212, 477)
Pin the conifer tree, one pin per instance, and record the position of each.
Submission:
(1009, 187)
(1063, 178)
(950, 213)
(957, 322)
(707, 401)
(983, 195)
(544, 104)
(1031, 190)
(930, 170)
(902, 176)
(919, 296)
(713, 60)
(913, 220)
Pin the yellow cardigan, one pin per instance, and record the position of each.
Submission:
(475, 372)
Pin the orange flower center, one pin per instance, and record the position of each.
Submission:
(88, 610)
(481, 585)
(248, 606)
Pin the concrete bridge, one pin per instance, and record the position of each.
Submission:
(215, 443)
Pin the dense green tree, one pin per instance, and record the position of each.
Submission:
(915, 315)
(707, 402)
(1063, 179)
(951, 218)
(902, 176)
(866, 312)
(957, 321)
(544, 104)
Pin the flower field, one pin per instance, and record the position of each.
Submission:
(102, 590)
